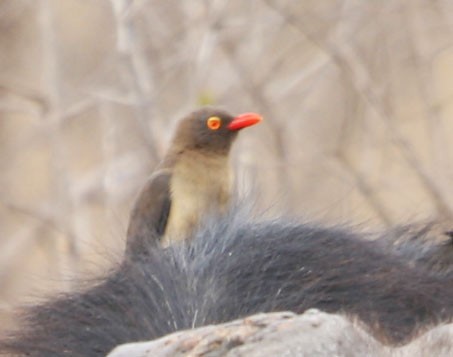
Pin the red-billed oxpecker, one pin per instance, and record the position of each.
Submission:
(192, 180)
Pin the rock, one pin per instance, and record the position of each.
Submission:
(314, 334)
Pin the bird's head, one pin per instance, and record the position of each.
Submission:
(211, 129)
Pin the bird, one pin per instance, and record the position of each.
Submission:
(193, 178)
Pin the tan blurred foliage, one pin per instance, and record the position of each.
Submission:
(357, 97)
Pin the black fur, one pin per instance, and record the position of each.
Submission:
(233, 268)
(426, 247)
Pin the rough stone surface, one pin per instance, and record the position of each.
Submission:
(314, 334)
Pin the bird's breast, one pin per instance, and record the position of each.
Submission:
(199, 186)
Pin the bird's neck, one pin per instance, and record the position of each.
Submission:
(202, 171)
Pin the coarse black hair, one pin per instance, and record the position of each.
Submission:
(232, 267)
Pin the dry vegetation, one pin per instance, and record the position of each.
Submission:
(357, 97)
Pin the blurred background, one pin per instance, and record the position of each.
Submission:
(357, 98)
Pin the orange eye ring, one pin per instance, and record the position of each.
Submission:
(214, 123)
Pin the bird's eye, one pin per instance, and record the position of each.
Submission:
(214, 123)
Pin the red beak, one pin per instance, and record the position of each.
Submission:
(244, 120)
